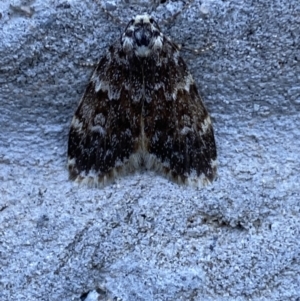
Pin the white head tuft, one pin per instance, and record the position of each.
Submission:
(142, 36)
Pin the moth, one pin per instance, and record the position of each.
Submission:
(141, 110)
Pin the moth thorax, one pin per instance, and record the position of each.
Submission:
(146, 41)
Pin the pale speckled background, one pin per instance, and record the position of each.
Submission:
(144, 238)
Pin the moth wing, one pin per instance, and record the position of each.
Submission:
(178, 127)
(106, 125)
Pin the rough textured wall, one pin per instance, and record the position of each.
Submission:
(144, 238)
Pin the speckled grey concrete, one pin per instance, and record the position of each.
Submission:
(144, 238)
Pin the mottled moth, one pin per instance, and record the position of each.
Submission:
(141, 110)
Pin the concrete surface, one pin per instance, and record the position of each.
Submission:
(144, 238)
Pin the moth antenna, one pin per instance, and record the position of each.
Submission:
(197, 51)
(174, 16)
(115, 19)
(167, 21)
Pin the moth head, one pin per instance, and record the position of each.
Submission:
(142, 36)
